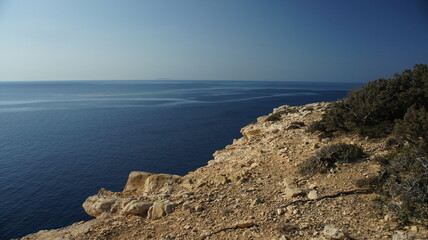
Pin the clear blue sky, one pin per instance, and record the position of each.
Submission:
(331, 40)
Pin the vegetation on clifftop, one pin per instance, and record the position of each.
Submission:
(374, 109)
(327, 157)
(404, 184)
(396, 108)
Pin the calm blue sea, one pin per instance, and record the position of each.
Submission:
(60, 142)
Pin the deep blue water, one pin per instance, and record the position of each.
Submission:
(60, 142)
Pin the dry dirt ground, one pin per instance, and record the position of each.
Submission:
(251, 190)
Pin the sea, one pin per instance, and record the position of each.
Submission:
(61, 141)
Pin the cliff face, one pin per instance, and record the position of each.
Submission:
(251, 190)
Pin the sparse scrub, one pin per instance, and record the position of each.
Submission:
(316, 126)
(328, 156)
(312, 166)
(373, 109)
(414, 126)
(370, 182)
(404, 184)
(296, 125)
(274, 117)
(391, 143)
(396, 108)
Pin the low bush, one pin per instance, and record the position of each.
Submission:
(274, 117)
(414, 126)
(404, 184)
(296, 125)
(396, 107)
(369, 183)
(373, 109)
(311, 167)
(316, 126)
(328, 156)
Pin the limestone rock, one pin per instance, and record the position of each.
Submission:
(281, 109)
(220, 179)
(136, 181)
(244, 224)
(136, 208)
(156, 182)
(291, 189)
(313, 194)
(326, 140)
(95, 205)
(187, 183)
(70, 232)
(160, 209)
(401, 237)
(333, 233)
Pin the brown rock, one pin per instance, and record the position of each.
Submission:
(156, 182)
(291, 189)
(313, 194)
(333, 233)
(244, 224)
(136, 181)
(160, 208)
(220, 179)
(136, 208)
(95, 205)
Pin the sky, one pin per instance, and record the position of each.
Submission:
(275, 40)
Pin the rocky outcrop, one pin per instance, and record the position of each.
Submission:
(136, 181)
(96, 206)
(161, 208)
(291, 189)
(136, 207)
(333, 233)
(250, 190)
(160, 182)
(132, 202)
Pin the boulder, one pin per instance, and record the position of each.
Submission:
(401, 237)
(160, 208)
(95, 205)
(135, 207)
(156, 182)
(313, 194)
(220, 179)
(291, 189)
(136, 181)
(333, 233)
(187, 183)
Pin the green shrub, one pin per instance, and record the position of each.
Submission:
(399, 106)
(372, 110)
(312, 166)
(316, 126)
(296, 125)
(274, 117)
(414, 126)
(328, 156)
(340, 152)
(404, 184)
(370, 182)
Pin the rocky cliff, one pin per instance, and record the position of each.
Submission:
(251, 190)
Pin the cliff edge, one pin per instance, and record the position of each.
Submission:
(252, 189)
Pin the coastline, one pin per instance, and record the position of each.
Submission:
(250, 190)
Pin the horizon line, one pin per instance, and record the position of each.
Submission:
(160, 80)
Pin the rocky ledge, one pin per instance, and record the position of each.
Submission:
(251, 190)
